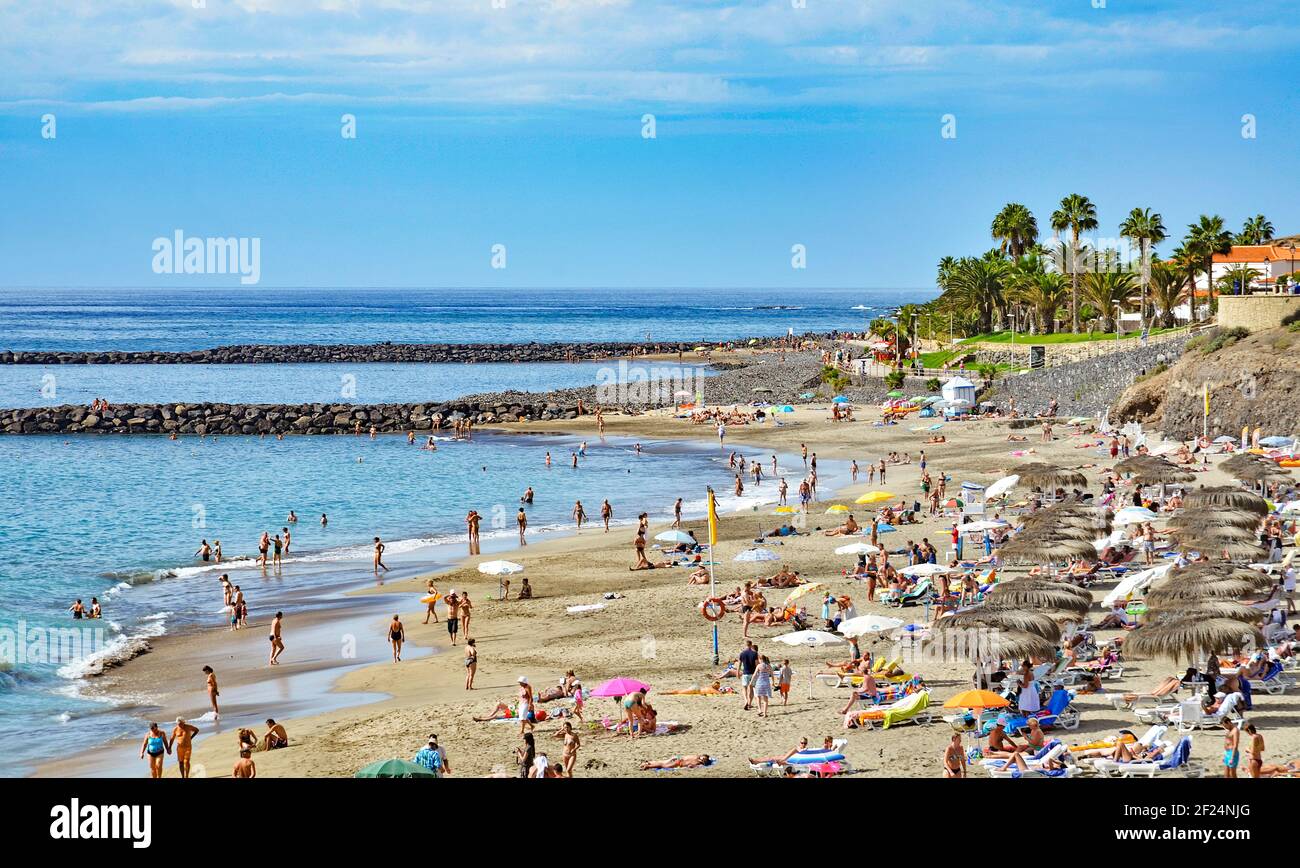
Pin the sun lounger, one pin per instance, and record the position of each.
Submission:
(1162, 691)
(1274, 682)
(1175, 760)
(1052, 751)
(909, 709)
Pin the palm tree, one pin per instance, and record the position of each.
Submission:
(1237, 277)
(1256, 230)
(1205, 238)
(1147, 229)
(1168, 287)
(1045, 292)
(1186, 264)
(1077, 214)
(1107, 292)
(945, 271)
(976, 285)
(1016, 227)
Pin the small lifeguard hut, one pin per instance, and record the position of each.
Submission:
(959, 389)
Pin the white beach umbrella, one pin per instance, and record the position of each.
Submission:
(809, 639)
(756, 556)
(864, 625)
(500, 568)
(918, 570)
(1132, 515)
(674, 536)
(1291, 508)
(1002, 486)
(980, 526)
(857, 548)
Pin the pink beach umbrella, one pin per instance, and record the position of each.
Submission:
(827, 769)
(620, 687)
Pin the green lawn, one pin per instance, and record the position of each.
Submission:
(1058, 338)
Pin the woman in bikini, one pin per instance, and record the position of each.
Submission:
(396, 636)
(471, 664)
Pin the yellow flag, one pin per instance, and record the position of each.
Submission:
(713, 519)
(1207, 399)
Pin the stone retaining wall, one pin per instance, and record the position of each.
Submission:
(1255, 312)
(1087, 387)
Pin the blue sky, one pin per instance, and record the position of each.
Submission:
(776, 125)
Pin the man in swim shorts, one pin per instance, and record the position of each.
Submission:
(452, 602)
(276, 737)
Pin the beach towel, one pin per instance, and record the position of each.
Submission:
(905, 710)
(592, 607)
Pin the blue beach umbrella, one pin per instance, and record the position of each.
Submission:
(840, 399)
(807, 395)
(786, 409)
(885, 527)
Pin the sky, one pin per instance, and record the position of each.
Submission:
(522, 123)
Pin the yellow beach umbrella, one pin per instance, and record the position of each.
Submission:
(805, 590)
(875, 497)
(839, 507)
(977, 699)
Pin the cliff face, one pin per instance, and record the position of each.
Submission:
(1253, 382)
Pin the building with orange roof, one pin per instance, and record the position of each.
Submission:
(1272, 260)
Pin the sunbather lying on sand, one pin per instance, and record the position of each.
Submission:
(1288, 769)
(714, 689)
(678, 762)
(502, 711)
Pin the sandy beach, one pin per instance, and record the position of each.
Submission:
(652, 631)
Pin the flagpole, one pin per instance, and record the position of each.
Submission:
(713, 544)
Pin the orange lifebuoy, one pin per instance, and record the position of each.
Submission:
(713, 609)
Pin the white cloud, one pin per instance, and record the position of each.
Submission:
(164, 54)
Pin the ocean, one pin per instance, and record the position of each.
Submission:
(119, 518)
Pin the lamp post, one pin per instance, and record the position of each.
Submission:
(1291, 246)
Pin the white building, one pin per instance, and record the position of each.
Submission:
(1271, 260)
(959, 389)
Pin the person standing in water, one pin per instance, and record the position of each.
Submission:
(278, 552)
(324, 519)
(183, 740)
(677, 513)
(472, 519)
(379, 556)
(579, 514)
(204, 552)
(287, 539)
(521, 519)
(606, 513)
(263, 546)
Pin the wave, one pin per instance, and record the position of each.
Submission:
(118, 650)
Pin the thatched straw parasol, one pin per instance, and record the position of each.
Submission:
(1194, 519)
(1007, 618)
(1254, 468)
(1150, 470)
(1036, 549)
(1214, 533)
(1169, 596)
(1209, 573)
(991, 644)
(1210, 607)
(1226, 496)
(1040, 597)
(1191, 637)
(1048, 476)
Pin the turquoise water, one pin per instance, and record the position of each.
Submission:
(370, 383)
(120, 518)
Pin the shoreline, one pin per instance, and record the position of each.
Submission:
(318, 612)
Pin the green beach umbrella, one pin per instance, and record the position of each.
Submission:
(895, 394)
(395, 768)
